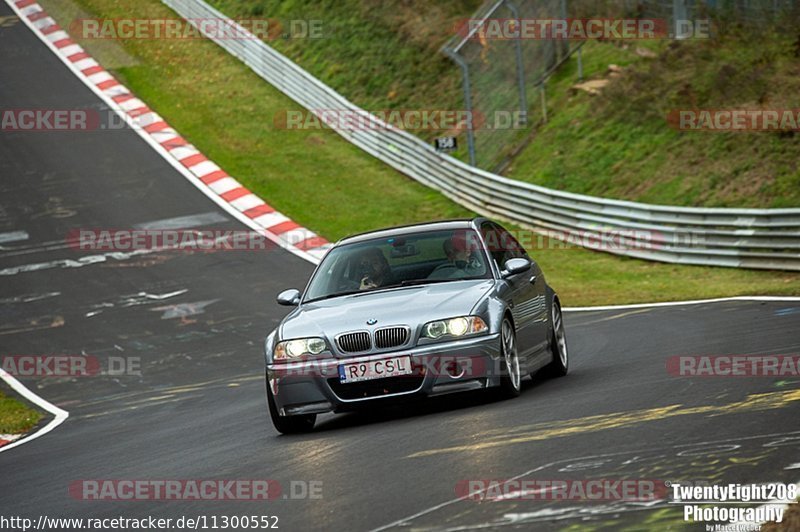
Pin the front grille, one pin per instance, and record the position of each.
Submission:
(390, 337)
(377, 387)
(354, 342)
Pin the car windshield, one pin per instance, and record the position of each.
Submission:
(414, 259)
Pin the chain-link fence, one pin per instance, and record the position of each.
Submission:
(501, 77)
(504, 79)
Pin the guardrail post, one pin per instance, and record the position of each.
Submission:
(467, 103)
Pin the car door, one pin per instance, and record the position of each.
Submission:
(538, 305)
(526, 292)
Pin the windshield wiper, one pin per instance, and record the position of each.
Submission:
(412, 282)
(337, 294)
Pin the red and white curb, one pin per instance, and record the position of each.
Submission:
(202, 172)
(209, 178)
(5, 439)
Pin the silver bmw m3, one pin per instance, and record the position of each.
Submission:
(412, 311)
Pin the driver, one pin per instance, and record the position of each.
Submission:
(374, 268)
(461, 260)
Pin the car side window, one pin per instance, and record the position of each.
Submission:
(492, 239)
(510, 244)
(501, 244)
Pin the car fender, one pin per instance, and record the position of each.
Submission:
(269, 346)
(492, 307)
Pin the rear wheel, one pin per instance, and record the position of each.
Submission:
(510, 380)
(288, 424)
(558, 344)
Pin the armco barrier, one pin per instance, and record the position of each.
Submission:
(744, 238)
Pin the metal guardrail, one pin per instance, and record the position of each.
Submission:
(744, 238)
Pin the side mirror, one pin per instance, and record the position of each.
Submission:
(515, 266)
(289, 298)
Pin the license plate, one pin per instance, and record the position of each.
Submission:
(374, 369)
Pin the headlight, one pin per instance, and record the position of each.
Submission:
(297, 348)
(460, 326)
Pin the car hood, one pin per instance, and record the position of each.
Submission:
(411, 306)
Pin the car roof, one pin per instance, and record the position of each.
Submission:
(442, 225)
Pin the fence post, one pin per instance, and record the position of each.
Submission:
(679, 12)
(523, 99)
(467, 102)
(580, 63)
(544, 101)
(563, 45)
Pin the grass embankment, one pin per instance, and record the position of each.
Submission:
(618, 144)
(15, 416)
(385, 55)
(332, 187)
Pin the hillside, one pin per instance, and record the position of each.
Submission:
(385, 55)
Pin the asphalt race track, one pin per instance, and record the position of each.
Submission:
(197, 411)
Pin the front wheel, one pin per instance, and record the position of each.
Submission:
(510, 380)
(288, 424)
(558, 344)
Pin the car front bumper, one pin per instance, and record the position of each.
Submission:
(439, 368)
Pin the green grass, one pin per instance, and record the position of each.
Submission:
(381, 54)
(385, 55)
(16, 417)
(328, 185)
(618, 144)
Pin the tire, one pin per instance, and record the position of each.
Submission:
(559, 366)
(512, 375)
(289, 424)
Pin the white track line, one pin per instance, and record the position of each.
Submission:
(60, 415)
(688, 302)
(405, 521)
